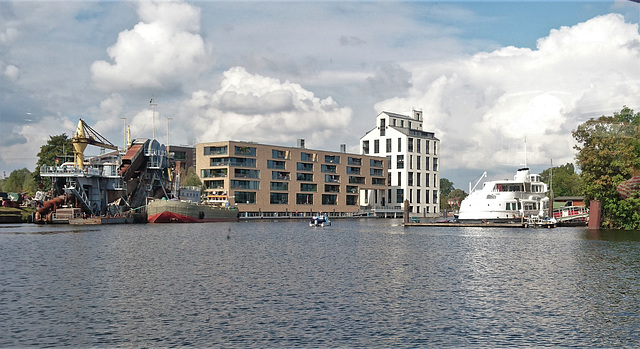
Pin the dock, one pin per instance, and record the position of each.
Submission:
(458, 224)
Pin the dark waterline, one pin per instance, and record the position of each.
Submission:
(359, 283)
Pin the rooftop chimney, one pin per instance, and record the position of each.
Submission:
(343, 148)
(301, 143)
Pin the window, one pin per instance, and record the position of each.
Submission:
(306, 157)
(426, 163)
(435, 164)
(353, 170)
(331, 188)
(418, 145)
(352, 200)
(245, 151)
(376, 146)
(245, 197)
(301, 166)
(355, 161)
(351, 189)
(332, 159)
(279, 154)
(399, 145)
(243, 173)
(400, 161)
(410, 145)
(365, 147)
(308, 187)
(283, 186)
(279, 198)
(356, 180)
(215, 184)
(215, 150)
(213, 173)
(328, 168)
(240, 162)
(399, 179)
(426, 180)
(418, 160)
(376, 163)
(376, 172)
(426, 144)
(418, 196)
(382, 127)
(329, 199)
(238, 184)
(399, 196)
(378, 181)
(275, 164)
(418, 182)
(304, 177)
(332, 178)
(304, 199)
(435, 197)
(388, 145)
(410, 179)
(279, 175)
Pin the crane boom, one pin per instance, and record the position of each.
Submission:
(83, 136)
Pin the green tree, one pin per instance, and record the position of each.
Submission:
(566, 182)
(446, 187)
(58, 147)
(192, 178)
(609, 153)
(457, 195)
(19, 181)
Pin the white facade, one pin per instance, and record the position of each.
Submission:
(412, 155)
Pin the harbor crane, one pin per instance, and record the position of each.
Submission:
(83, 136)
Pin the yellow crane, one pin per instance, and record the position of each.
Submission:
(83, 136)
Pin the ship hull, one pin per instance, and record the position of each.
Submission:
(168, 211)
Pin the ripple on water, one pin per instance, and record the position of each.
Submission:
(361, 283)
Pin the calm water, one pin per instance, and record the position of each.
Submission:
(361, 283)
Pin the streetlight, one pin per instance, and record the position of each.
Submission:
(168, 130)
(124, 133)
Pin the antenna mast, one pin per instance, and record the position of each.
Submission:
(153, 116)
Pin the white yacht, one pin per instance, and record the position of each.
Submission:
(506, 200)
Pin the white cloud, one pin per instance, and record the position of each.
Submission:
(26, 152)
(11, 72)
(162, 50)
(482, 107)
(259, 108)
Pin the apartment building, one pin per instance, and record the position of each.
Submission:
(412, 157)
(269, 180)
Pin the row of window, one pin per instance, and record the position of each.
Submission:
(418, 179)
(280, 155)
(400, 196)
(301, 198)
(410, 146)
(419, 164)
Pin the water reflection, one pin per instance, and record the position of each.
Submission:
(611, 235)
(360, 283)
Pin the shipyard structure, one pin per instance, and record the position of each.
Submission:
(274, 181)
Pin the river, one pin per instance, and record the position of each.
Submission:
(359, 283)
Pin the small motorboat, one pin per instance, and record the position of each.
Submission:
(320, 221)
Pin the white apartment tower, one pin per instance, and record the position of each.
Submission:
(412, 155)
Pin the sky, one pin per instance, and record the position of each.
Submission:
(492, 78)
